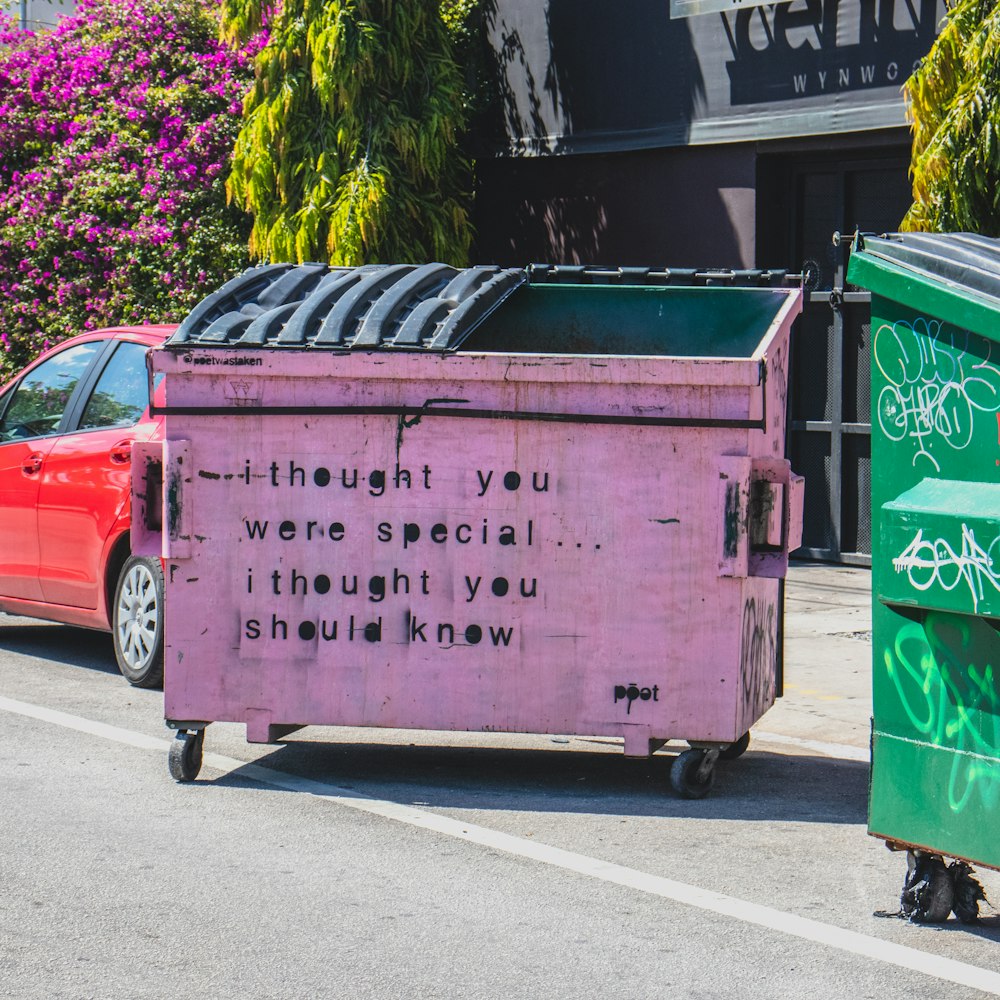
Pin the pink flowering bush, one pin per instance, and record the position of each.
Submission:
(116, 130)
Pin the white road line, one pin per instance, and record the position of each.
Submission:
(911, 959)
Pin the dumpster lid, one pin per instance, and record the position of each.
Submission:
(955, 276)
(587, 274)
(965, 260)
(406, 307)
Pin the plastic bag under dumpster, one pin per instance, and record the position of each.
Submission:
(935, 540)
(480, 500)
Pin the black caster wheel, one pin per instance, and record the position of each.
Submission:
(737, 749)
(185, 755)
(692, 774)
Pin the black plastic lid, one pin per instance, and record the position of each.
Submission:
(408, 307)
(579, 274)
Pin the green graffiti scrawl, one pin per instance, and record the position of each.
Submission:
(951, 701)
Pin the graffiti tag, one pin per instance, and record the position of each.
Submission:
(757, 654)
(935, 386)
(927, 563)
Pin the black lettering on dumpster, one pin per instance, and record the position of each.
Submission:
(512, 481)
(432, 546)
(376, 482)
(416, 629)
(256, 529)
(471, 635)
(500, 636)
(288, 530)
(296, 474)
(308, 629)
(633, 692)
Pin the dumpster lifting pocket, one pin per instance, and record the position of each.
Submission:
(161, 507)
(761, 515)
(176, 500)
(147, 498)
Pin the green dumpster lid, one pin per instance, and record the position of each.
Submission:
(403, 306)
(953, 276)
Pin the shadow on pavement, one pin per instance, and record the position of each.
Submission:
(571, 777)
(764, 787)
(67, 644)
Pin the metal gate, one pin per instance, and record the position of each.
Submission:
(829, 430)
(829, 395)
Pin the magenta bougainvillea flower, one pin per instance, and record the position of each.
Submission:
(116, 130)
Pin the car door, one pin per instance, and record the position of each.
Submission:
(84, 489)
(32, 413)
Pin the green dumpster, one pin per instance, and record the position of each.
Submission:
(935, 480)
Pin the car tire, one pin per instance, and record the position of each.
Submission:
(137, 622)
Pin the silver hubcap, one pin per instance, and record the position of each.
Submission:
(136, 617)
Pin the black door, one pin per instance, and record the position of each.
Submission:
(829, 407)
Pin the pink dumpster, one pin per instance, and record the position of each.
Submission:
(544, 501)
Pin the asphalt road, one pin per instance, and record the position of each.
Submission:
(384, 864)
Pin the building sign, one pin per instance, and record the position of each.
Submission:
(786, 52)
(689, 8)
(573, 79)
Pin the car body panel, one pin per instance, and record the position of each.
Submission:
(19, 551)
(61, 523)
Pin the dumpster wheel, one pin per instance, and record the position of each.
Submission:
(184, 759)
(736, 749)
(692, 773)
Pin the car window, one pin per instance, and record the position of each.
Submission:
(39, 401)
(122, 391)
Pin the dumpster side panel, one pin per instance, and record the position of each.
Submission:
(510, 577)
(936, 797)
(936, 743)
(686, 391)
(430, 571)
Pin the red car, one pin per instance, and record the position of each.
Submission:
(67, 424)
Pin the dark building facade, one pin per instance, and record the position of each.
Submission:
(717, 133)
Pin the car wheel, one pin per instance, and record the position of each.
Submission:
(137, 625)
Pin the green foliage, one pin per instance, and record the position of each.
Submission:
(349, 151)
(954, 103)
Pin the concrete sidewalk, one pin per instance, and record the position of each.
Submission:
(828, 653)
